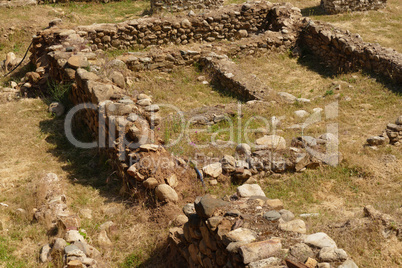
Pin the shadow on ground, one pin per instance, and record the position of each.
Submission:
(84, 166)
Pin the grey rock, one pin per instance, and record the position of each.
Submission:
(118, 79)
(56, 108)
(243, 149)
(228, 163)
(207, 205)
(287, 97)
(272, 215)
(58, 245)
(329, 254)
(376, 140)
(73, 235)
(152, 108)
(189, 209)
(301, 252)
(44, 253)
(144, 102)
(286, 215)
(348, 264)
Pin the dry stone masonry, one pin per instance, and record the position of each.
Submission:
(341, 6)
(248, 229)
(347, 52)
(180, 5)
(393, 134)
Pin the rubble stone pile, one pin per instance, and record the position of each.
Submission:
(67, 242)
(250, 230)
(392, 135)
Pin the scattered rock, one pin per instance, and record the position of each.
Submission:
(272, 215)
(166, 193)
(86, 213)
(376, 140)
(213, 170)
(103, 239)
(286, 215)
(207, 206)
(297, 226)
(150, 183)
(44, 253)
(330, 254)
(243, 149)
(172, 181)
(274, 204)
(301, 252)
(56, 108)
(239, 235)
(73, 235)
(320, 240)
(348, 264)
(118, 79)
(189, 209)
(248, 190)
(301, 113)
(287, 97)
(274, 142)
(260, 250)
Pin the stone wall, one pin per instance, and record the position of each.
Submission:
(248, 229)
(228, 23)
(341, 6)
(180, 5)
(347, 52)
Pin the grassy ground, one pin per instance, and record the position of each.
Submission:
(38, 146)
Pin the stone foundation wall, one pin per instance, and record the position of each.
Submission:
(341, 6)
(228, 23)
(180, 5)
(347, 52)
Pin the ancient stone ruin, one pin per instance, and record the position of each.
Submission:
(341, 6)
(243, 230)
